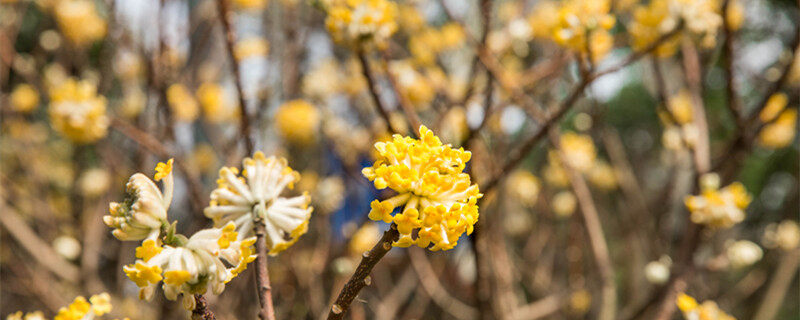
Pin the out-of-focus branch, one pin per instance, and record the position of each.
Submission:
(684, 267)
(35, 246)
(361, 276)
(778, 286)
(405, 105)
(157, 148)
(540, 308)
(225, 16)
(366, 70)
(434, 288)
(728, 59)
(594, 228)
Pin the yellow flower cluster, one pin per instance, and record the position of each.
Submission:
(427, 43)
(298, 121)
(415, 87)
(79, 21)
(358, 22)
(250, 4)
(251, 47)
(183, 105)
(718, 208)
(580, 25)
(77, 111)
(81, 309)
(784, 235)
(682, 132)
(217, 107)
(255, 198)
(700, 18)
(781, 123)
(191, 266)
(24, 98)
(524, 187)
(708, 310)
(438, 199)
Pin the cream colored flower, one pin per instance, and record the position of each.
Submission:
(78, 112)
(191, 266)
(255, 197)
(784, 235)
(743, 253)
(359, 21)
(719, 208)
(657, 272)
(706, 311)
(143, 213)
(524, 187)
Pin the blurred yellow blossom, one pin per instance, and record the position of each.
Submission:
(24, 98)
(94, 182)
(719, 208)
(603, 176)
(706, 311)
(781, 132)
(298, 121)
(78, 112)
(250, 4)
(680, 105)
(36, 315)
(579, 151)
(564, 204)
(79, 21)
(412, 85)
(363, 239)
(251, 47)
(743, 253)
(524, 187)
(580, 301)
(784, 235)
(775, 104)
(362, 21)
(80, 309)
(580, 24)
(183, 105)
(438, 199)
(217, 106)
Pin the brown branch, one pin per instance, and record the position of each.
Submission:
(633, 57)
(36, 247)
(267, 311)
(728, 59)
(361, 276)
(778, 286)
(594, 228)
(437, 292)
(405, 105)
(225, 16)
(201, 310)
(540, 308)
(366, 70)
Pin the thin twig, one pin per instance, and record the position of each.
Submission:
(366, 70)
(225, 16)
(201, 310)
(267, 311)
(728, 59)
(361, 278)
(405, 105)
(435, 290)
(594, 228)
(778, 286)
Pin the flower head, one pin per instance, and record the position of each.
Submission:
(708, 310)
(191, 266)
(781, 132)
(79, 21)
(362, 21)
(743, 253)
(81, 309)
(580, 25)
(298, 121)
(438, 199)
(255, 197)
(784, 235)
(183, 105)
(78, 112)
(718, 208)
(24, 98)
(143, 213)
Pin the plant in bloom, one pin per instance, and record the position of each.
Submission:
(143, 213)
(186, 266)
(191, 266)
(77, 111)
(358, 22)
(24, 98)
(438, 199)
(784, 235)
(183, 105)
(718, 208)
(743, 253)
(297, 121)
(780, 132)
(581, 25)
(79, 309)
(708, 310)
(79, 21)
(255, 197)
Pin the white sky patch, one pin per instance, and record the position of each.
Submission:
(608, 86)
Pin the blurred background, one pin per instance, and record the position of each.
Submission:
(94, 91)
